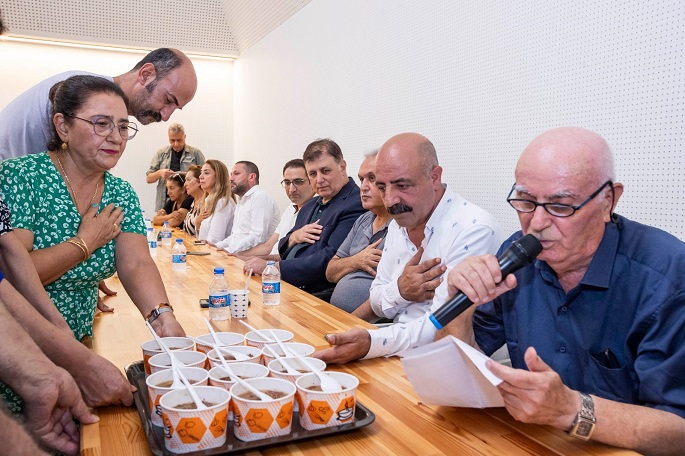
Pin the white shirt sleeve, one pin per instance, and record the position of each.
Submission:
(395, 339)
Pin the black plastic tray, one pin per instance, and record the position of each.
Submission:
(155, 435)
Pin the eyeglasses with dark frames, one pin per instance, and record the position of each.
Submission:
(103, 126)
(285, 183)
(556, 209)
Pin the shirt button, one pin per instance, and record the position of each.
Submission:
(562, 349)
(564, 308)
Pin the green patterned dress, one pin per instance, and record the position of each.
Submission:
(40, 202)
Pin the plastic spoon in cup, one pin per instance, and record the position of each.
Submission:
(328, 384)
(247, 281)
(258, 332)
(224, 348)
(176, 381)
(191, 389)
(227, 368)
(281, 359)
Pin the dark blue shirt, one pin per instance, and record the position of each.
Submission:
(619, 334)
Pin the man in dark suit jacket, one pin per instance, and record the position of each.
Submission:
(324, 222)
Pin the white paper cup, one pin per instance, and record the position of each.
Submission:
(277, 370)
(195, 430)
(243, 370)
(255, 340)
(256, 419)
(319, 410)
(151, 348)
(226, 338)
(253, 352)
(217, 375)
(161, 361)
(297, 347)
(195, 375)
(239, 301)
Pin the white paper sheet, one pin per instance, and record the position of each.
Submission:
(451, 372)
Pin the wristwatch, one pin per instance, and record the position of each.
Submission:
(585, 420)
(157, 311)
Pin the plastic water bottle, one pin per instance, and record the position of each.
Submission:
(166, 234)
(219, 299)
(178, 256)
(271, 284)
(152, 241)
(148, 222)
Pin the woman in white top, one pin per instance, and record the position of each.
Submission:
(216, 218)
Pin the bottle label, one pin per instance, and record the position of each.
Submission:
(219, 301)
(178, 258)
(166, 234)
(271, 287)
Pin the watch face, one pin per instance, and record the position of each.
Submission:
(584, 428)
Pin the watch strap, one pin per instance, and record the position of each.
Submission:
(585, 421)
(157, 311)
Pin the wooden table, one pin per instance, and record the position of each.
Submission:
(403, 425)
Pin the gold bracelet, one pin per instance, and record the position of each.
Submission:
(85, 246)
(160, 309)
(83, 249)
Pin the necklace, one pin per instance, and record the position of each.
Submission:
(71, 190)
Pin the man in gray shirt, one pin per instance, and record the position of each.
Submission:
(163, 81)
(354, 265)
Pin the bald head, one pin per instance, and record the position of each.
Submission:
(163, 81)
(414, 147)
(571, 151)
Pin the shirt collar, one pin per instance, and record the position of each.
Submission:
(250, 191)
(598, 274)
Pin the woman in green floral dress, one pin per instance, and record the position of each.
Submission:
(81, 223)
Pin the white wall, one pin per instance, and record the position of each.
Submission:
(208, 118)
(480, 79)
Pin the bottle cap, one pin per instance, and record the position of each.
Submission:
(218, 270)
(149, 229)
(179, 241)
(268, 263)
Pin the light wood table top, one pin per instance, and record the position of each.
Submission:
(403, 425)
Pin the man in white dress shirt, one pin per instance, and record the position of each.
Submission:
(256, 214)
(299, 190)
(433, 229)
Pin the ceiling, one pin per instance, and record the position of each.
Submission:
(212, 27)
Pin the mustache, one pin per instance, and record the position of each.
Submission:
(399, 208)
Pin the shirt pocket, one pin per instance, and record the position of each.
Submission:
(610, 383)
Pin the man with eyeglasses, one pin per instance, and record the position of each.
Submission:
(163, 81)
(299, 191)
(176, 157)
(595, 326)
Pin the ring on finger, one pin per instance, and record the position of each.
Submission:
(116, 227)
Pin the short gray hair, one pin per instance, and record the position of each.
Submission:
(176, 128)
(370, 153)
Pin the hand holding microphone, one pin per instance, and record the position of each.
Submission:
(519, 253)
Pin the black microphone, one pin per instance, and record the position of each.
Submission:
(519, 254)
